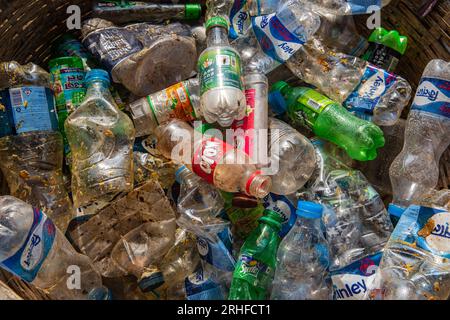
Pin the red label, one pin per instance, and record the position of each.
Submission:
(246, 139)
(207, 156)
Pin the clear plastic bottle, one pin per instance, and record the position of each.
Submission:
(368, 91)
(212, 159)
(101, 138)
(37, 252)
(222, 98)
(292, 156)
(344, 7)
(416, 169)
(31, 148)
(182, 101)
(302, 259)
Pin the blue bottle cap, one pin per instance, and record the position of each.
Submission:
(178, 173)
(277, 102)
(101, 293)
(98, 74)
(151, 282)
(309, 210)
(395, 210)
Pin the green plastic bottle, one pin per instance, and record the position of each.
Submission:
(386, 48)
(255, 267)
(327, 119)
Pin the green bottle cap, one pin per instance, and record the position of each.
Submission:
(271, 218)
(216, 22)
(391, 39)
(72, 62)
(192, 11)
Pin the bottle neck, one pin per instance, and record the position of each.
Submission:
(309, 224)
(217, 36)
(99, 88)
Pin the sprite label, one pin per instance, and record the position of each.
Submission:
(253, 271)
(310, 105)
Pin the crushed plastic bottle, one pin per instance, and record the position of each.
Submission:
(345, 7)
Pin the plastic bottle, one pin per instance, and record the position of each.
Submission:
(370, 92)
(182, 101)
(101, 139)
(386, 48)
(302, 258)
(415, 170)
(211, 158)
(36, 251)
(129, 11)
(285, 206)
(257, 260)
(31, 148)
(345, 7)
(221, 89)
(328, 120)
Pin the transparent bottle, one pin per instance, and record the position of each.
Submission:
(344, 7)
(222, 98)
(415, 171)
(181, 101)
(101, 138)
(31, 148)
(212, 159)
(368, 91)
(36, 251)
(302, 259)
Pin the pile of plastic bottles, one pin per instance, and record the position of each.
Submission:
(150, 159)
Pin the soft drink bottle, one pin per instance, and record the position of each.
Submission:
(328, 120)
(257, 260)
(36, 251)
(181, 101)
(222, 98)
(370, 92)
(31, 148)
(345, 7)
(285, 206)
(415, 171)
(101, 140)
(212, 159)
(302, 258)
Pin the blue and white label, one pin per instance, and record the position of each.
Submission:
(218, 252)
(364, 6)
(374, 84)
(275, 39)
(433, 95)
(354, 281)
(25, 109)
(199, 286)
(239, 19)
(284, 207)
(27, 261)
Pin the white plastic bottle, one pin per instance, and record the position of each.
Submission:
(222, 98)
(37, 252)
(415, 171)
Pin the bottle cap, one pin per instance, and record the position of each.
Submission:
(151, 282)
(192, 11)
(271, 218)
(178, 173)
(391, 39)
(72, 62)
(216, 21)
(101, 293)
(97, 74)
(395, 210)
(309, 210)
(277, 101)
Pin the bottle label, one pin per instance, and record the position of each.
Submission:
(310, 105)
(218, 253)
(245, 128)
(275, 39)
(433, 95)
(207, 156)
(354, 281)
(175, 99)
(240, 20)
(363, 6)
(27, 261)
(219, 68)
(284, 207)
(199, 286)
(253, 271)
(25, 109)
(384, 57)
(374, 84)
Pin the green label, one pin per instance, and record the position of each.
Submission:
(253, 271)
(219, 68)
(310, 105)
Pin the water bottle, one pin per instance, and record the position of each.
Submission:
(415, 171)
(31, 148)
(312, 110)
(345, 7)
(302, 258)
(101, 139)
(222, 98)
(212, 159)
(36, 251)
(364, 89)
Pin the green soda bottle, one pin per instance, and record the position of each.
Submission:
(328, 120)
(386, 48)
(255, 268)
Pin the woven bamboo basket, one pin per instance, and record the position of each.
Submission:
(29, 27)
